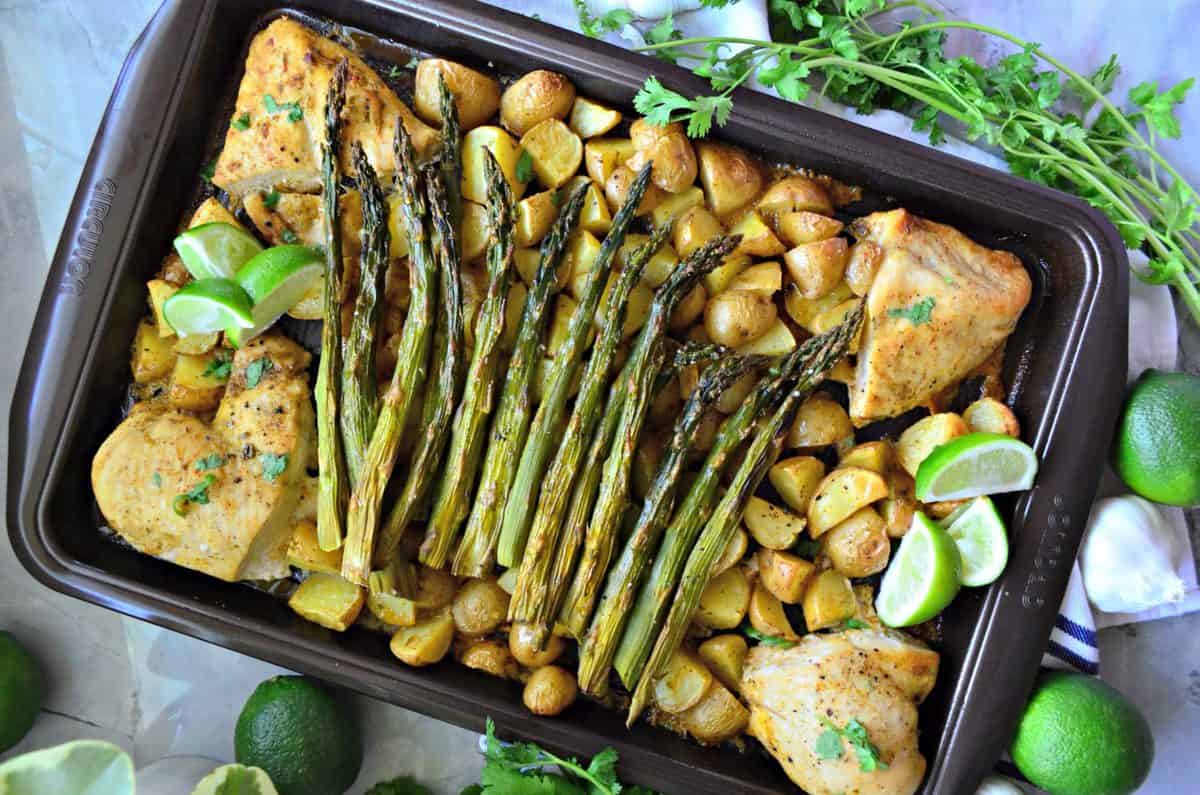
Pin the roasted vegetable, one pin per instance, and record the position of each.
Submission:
(725, 599)
(476, 95)
(535, 97)
(843, 492)
(479, 607)
(550, 690)
(924, 436)
(328, 600)
(425, 642)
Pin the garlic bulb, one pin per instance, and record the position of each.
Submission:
(1129, 556)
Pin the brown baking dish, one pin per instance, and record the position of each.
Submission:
(1065, 367)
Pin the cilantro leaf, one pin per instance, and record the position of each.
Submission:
(294, 112)
(854, 623)
(218, 367)
(197, 494)
(393, 72)
(918, 313)
(271, 199)
(660, 105)
(403, 785)
(273, 465)
(597, 26)
(665, 32)
(524, 169)
(807, 547)
(209, 170)
(765, 639)
(241, 123)
(828, 745)
(257, 369)
(156, 479)
(860, 742)
(210, 461)
(603, 768)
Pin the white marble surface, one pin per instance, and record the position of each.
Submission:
(158, 693)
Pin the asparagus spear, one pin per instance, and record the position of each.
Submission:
(454, 490)
(599, 645)
(614, 487)
(443, 393)
(475, 553)
(331, 464)
(692, 352)
(362, 520)
(518, 512)
(719, 528)
(529, 602)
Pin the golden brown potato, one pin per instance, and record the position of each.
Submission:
(735, 550)
(724, 601)
(736, 393)
(718, 717)
(525, 649)
(550, 690)
(660, 265)
(581, 253)
(831, 318)
(991, 416)
(861, 264)
(783, 574)
(844, 491)
(435, 588)
(556, 152)
(767, 616)
(676, 204)
(513, 307)
(160, 290)
(777, 340)
(695, 227)
(535, 216)
(765, 278)
(491, 656)
(535, 97)
(474, 232)
(589, 118)
(602, 156)
(858, 546)
(682, 682)
(804, 310)
(328, 600)
(305, 553)
(476, 95)
(506, 151)
(154, 355)
(802, 226)
(943, 508)
(669, 149)
(719, 278)
(820, 421)
(737, 317)
(197, 344)
(816, 268)
(792, 194)
(617, 189)
(480, 606)
(731, 177)
(828, 601)
(426, 642)
(757, 238)
(926, 435)
(193, 387)
(796, 479)
(898, 507)
(772, 526)
(392, 610)
(724, 655)
(689, 309)
(875, 456)
(594, 216)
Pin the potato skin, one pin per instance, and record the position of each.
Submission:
(669, 149)
(426, 642)
(689, 308)
(476, 95)
(617, 189)
(816, 268)
(491, 656)
(550, 690)
(526, 651)
(991, 416)
(718, 717)
(731, 178)
(480, 606)
(858, 546)
(537, 96)
(736, 317)
(926, 434)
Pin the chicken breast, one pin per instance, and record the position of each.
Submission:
(279, 118)
(254, 451)
(939, 304)
(798, 695)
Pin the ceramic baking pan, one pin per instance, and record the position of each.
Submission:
(1066, 364)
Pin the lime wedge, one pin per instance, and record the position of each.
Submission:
(923, 577)
(236, 780)
(208, 305)
(275, 280)
(86, 767)
(215, 249)
(974, 465)
(982, 541)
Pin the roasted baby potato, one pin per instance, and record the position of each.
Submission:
(506, 151)
(796, 480)
(550, 690)
(328, 600)
(757, 238)
(843, 492)
(926, 435)
(719, 278)
(689, 309)
(777, 340)
(736, 317)
(831, 318)
(556, 152)
(193, 385)
(525, 649)
(535, 216)
(560, 322)
(535, 97)
(802, 226)
(792, 194)
(658, 267)
(898, 507)
(736, 393)
(197, 344)
(735, 550)
(594, 216)
(669, 149)
(476, 96)
(771, 526)
(513, 307)
(492, 657)
(765, 278)
(875, 456)
(718, 717)
(941, 509)
(783, 574)
(991, 416)
(816, 268)
(153, 355)
(435, 588)
(616, 189)
(682, 683)
(160, 290)
(392, 610)
(724, 601)
(305, 553)
(858, 546)
(425, 642)
(828, 601)
(676, 205)
(589, 118)
(820, 421)
(695, 227)
(862, 262)
(480, 606)
(731, 177)
(767, 616)
(724, 656)
(804, 310)
(603, 155)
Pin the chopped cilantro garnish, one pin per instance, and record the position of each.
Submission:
(918, 313)
(218, 368)
(211, 461)
(765, 639)
(210, 168)
(854, 623)
(807, 547)
(412, 62)
(294, 111)
(271, 199)
(829, 745)
(855, 734)
(288, 236)
(524, 169)
(197, 494)
(241, 122)
(156, 479)
(257, 369)
(273, 465)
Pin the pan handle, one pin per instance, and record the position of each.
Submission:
(111, 197)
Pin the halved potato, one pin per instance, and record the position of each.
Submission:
(425, 642)
(535, 215)
(820, 421)
(658, 267)
(832, 318)
(514, 306)
(941, 509)
(736, 393)
(435, 588)
(160, 290)
(802, 226)
(735, 550)
(784, 574)
(796, 479)
(828, 601)
(682, 683)
(328, 600)
(772, 526)
(724, 601)
(603, 155)
(862, 262)
(816, 268)
(676, 205)
(777, 340)
(506, 151)
(589, 118)
(556, 152)
(191, 389)
(724, 655)
(858, 546)
(154, 355)
(695, 227)
(304, 552)
(757, 238)
(689, 309)
(476, 95)
(197, 344)
(718, 717)
(842, 372)
(876, 456)
(767, 616)
(898, 507)
(492, 657)
(765, 278)
(616, 190)
(926, 435)
(731, 177)
(560, 320)
(581, 253)
(594, 216)
(718, 279)
(669, 149)
(392, 610)
(843, 492)
(803, 310)
(737, 317)
(991, 416)
(791, 194)
(535, 97)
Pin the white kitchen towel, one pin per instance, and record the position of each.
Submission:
(1153, 337)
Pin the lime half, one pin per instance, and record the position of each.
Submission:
(275, 280)
(215, 249)
(974, 465)
(923, 578)
(89, 767)
(236, 780)
(982, 541)
(208, 305)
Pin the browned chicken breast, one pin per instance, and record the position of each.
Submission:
(939, 304)
(278, 122)
(825, 682)
(254, 451)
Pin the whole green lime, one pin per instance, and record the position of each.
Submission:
(297, 732)
(1079, 736)
(22, 690)
(1157, 448)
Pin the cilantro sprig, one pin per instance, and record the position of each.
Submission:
(1054, 125)
(294, 111)
(829, 744)
(917, 312)
(273, 465)
(765, 639)
(197, 494)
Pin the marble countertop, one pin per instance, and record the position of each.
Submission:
(159, 693)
